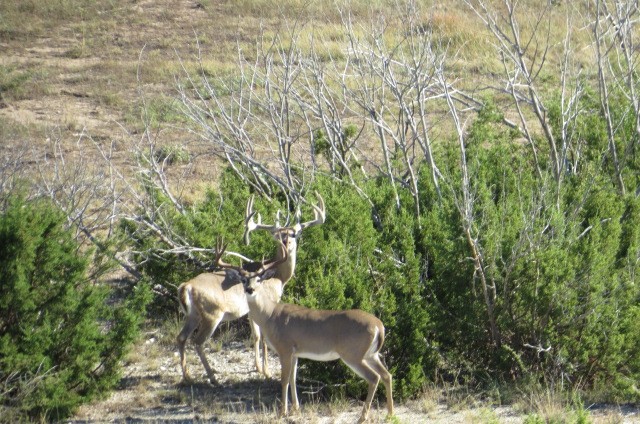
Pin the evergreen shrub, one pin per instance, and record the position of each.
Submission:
(62, 336)
(559, 257)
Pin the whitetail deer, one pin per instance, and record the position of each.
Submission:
(213, 297)
(295, 332)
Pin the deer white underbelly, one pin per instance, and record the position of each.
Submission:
(323, 357)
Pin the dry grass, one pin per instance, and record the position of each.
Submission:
(80, 64)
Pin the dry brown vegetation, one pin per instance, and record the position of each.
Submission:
(72, 67)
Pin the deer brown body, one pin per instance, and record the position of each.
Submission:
(294, 331)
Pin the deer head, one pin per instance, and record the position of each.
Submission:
(287, 234)
(265, 271)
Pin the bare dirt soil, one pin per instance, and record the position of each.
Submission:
(86, 74)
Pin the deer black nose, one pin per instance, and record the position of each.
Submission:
(248, 290)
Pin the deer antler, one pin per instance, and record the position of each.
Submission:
(264, 265)
(319, 215)
(251, 225)
(274, 263)
(221, 247)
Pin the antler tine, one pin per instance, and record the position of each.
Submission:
(249, 207)
(268, 265)
(221, 247)
(298, 214)
(319, 214)
(251, 225)
(286, 223)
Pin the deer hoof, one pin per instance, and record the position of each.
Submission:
(186, 380)
(362, 419)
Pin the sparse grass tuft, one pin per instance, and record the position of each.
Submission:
(429, 400)
(22, 82)
(169, 329)
(547, 406)
(71, 123)
(482, 415)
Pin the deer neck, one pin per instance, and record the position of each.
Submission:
(261, 306)
(285, 270)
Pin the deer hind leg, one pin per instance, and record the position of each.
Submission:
(265, 358)
(376, 363)
(191, 323)
(364, 370)
(207, 326)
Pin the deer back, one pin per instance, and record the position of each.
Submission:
(212, 292)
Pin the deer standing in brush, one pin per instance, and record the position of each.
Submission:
(213, 297)
(295, 332)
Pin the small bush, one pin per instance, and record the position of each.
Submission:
(171, 155)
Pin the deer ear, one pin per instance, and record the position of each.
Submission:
(268, 274)
(232, 274)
